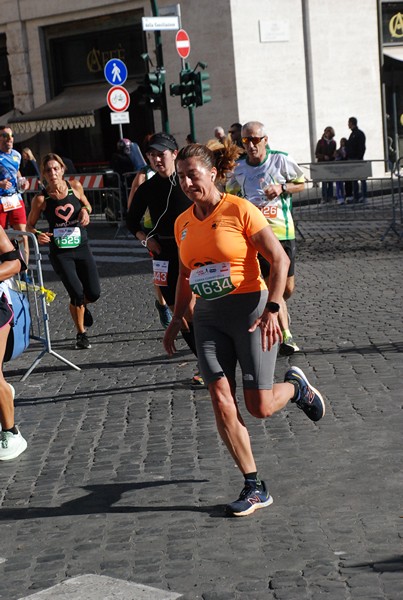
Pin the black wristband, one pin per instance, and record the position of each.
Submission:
(14, 255)
(273, 307)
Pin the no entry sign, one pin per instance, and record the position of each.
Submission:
(182, 43)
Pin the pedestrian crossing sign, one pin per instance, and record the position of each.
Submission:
(115, 71)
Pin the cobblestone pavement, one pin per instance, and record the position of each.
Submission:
(125, 476)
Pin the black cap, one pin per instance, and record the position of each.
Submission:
(161, 142)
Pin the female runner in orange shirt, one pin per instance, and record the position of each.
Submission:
(235, 317)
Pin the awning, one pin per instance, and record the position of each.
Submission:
(395, 52)
(72, 109)
(10, 116)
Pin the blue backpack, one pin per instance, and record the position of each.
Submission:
(18, 338)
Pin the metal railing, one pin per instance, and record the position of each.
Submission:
(106, 192)
(381, 199)
(37, 295)
(396, 223)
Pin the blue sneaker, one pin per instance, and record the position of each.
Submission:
(26, 278)
(251, 498)
(309, 399)
(164, 314)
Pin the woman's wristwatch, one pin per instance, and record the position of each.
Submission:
(273, 307)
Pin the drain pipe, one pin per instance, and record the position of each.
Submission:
(309, 78)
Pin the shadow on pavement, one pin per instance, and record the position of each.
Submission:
(101, 499)
(115, 391)
(390, 565)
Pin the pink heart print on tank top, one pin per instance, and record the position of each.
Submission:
(64, 212)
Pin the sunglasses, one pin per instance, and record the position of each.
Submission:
(252, 138)
(6, 136)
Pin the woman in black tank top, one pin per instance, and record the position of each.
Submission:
(67, 211)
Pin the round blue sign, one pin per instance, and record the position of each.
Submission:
(115, 71)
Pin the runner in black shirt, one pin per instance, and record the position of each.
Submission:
(163, 197)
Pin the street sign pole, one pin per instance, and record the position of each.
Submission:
(160, 65)
(115, 72)
(183, 48)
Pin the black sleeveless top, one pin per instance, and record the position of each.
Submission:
(64, 213)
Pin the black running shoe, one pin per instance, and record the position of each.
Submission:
(288, 347)
(309, 399)
(82, 341)
(251, 498)
(88, 319)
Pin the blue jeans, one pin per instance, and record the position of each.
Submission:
(356, 189)
(339, 190)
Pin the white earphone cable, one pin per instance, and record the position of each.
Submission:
(173, 182)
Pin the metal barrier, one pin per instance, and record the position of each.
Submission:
(396, 224)
(379, 203)
(105, 192)
(38, 297)
(108, 192)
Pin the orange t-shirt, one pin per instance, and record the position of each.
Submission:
(223, 238)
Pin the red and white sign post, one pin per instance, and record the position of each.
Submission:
(182, 43)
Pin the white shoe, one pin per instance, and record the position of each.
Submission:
(11, 445)
(12, 393)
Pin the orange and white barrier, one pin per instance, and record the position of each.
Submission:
(89, 182)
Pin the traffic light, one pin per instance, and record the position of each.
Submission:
(185, 89)
(175, 89)
(187, 81)
(154, 84)
(201, 88)
(192, 87)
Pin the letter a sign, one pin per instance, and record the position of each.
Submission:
(182, 43)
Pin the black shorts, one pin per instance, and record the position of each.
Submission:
(169, 253)
(223, 340)
(78, 272)
(290, 249)
(6, 311)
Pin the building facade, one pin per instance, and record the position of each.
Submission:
(296, 65)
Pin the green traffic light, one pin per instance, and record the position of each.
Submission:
(192, 87)
(175, 89)
(154, 82)
(201, 88)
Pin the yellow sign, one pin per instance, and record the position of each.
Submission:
(396, 26)
(96, 60)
